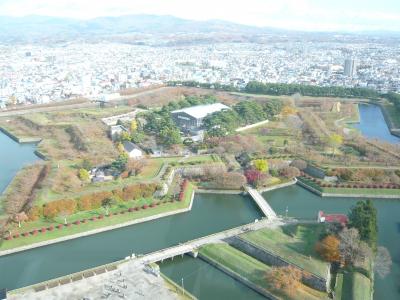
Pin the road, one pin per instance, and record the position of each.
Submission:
(33, 109)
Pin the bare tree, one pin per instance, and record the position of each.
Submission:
(383, 262)
(352, 250)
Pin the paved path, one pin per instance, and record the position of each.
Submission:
(213, 238)
(264, 206)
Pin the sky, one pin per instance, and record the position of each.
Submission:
(311, 15)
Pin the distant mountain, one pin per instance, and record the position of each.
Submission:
(33, 28)
(141, 29)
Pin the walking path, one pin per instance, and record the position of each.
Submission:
(262, 204)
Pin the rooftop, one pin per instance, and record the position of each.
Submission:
(201, 111)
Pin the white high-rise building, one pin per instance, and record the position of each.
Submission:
(350, 67)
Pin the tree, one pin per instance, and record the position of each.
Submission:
(84, 175)
(252, 176)
(125, 136)
(20, 217)
(133, 126)
(272, 108)
(170, 136)
(107, 203)
(299, 164)
(119, 165)
(261, 165)
(352, 250)
(363, 217)
(383, 262)
(135, 166)
(285, 279)
(335, 141)
(289, 172)
(328, 248)
(120, 148)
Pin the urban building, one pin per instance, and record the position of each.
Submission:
(350, 67)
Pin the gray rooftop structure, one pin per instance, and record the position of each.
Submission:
(191, 118)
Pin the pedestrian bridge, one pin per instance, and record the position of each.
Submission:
(262, 204)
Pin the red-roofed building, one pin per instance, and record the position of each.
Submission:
(332, 218)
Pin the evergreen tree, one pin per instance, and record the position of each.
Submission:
(363, 217)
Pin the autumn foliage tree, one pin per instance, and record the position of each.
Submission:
(328, 248)
(286, 279)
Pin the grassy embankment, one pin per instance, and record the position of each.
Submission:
(253, 270)
(353, 286)
(295, 244)
(115, 219)
(350, 191)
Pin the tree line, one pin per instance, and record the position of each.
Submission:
(284, 89)
(244, 113)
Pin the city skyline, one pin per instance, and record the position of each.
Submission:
(307, 15)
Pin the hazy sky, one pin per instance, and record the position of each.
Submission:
(320, 15)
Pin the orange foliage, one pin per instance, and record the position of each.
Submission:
(328, 248)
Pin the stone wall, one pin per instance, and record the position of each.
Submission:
(272, 259)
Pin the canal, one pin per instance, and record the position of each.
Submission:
(204, 281)
(303, 204)
(210, 214)
(373, 125)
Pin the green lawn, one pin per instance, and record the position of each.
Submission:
(90, 225)
(356, 286)
(252, 269)
(362, 191)
(393, 114)
(294, 244)
(339, 286)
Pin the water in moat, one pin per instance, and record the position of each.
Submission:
(13, 156)
(373, 125)
(303, 204)
(205, 281)
(210, 214)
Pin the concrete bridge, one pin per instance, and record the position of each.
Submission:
(262, 204)
(191, 246)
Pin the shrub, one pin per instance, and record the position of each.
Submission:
(152, 205)
(77, 222)
(34, 232)
(137, 208)
(50, 228)
(8, 238)
(93, 218)
(101, 217)
(60, 226)
(43, 230)
(25, 234)
(145, 206)
(16, 235)
(84, 221)
(131, 209)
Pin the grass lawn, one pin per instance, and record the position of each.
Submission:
(393, 114)
(362, 191)
(293, 243)
(251, 269)
(339, 286)
(355, 286)
(90, 225)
